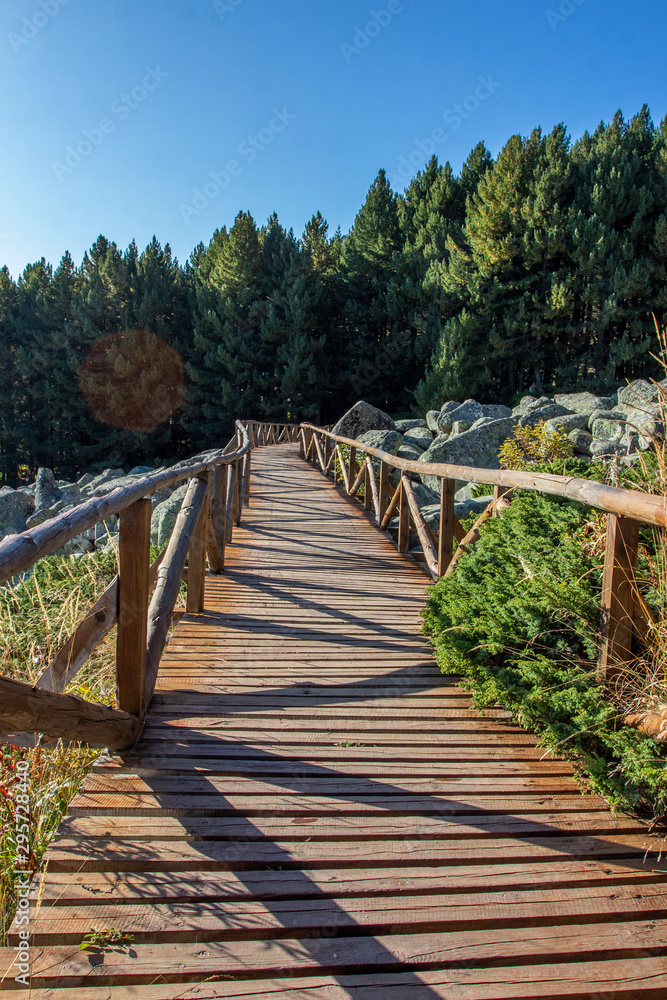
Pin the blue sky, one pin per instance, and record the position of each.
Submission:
(116, 113)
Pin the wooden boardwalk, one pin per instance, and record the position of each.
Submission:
(314, 812)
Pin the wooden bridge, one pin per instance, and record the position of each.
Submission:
(312, 811)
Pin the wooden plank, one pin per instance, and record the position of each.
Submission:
(65, 966)
(619, 595)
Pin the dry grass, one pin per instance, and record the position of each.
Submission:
(36, 617)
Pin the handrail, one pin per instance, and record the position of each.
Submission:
(611, 499)
(625, 509)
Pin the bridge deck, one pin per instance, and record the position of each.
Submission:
(314, 812)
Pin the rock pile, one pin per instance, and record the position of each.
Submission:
(472, 433)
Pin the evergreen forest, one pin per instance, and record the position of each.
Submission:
(543, 268)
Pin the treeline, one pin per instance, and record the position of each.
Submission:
(543, 267)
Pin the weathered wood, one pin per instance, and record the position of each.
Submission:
(246, 479)
(389, 513)
(134, 546)
(63, 716)
(619, 595)
(217, 520)
(422, 531)
(320, 454)
(353, 469)
(468, 543)
(237, 501)
(372, 483)
(629, 503)
(403, 519)
(19, 552)
(343, 470)
(446, 536)
(354, 488)
(169, 579)
(385, 491)
(229, 502)
(197, 558)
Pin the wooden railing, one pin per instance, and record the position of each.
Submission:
(218, 489)
(626, 509)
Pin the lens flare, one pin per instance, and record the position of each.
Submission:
(133, 381)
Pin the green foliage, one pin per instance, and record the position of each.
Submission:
(519, 621)
(529, 446)
(102, 938)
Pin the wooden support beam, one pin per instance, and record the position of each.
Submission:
(237, 505)
(368, 496)
(357, 482)
(372, 482)
(353, 469)
(385, 490)
(343, 470)
(320, 455)
(422, 530)
(229, 502)
(498, 493)
(246, 479)
(619, 595)
(63, 716)
(389, 513)
(134, 545)
(197, 558)
(216, 545)
(446, 537)
(403, 519)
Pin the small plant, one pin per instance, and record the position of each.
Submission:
(104, 937)
(530, 446)
(350, 743)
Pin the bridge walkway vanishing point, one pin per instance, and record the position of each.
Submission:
(314, 812)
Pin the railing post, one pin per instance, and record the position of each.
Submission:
(498, 493)
(134, 543)
(229, 502)
(618, 595)
(238, 492)
(354, 470)
(216, 549)
(368, 495)
(446, 538)
(246, 480)
(197, 558)
(385, 490)
(403, 521)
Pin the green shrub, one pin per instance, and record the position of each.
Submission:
(519, 620)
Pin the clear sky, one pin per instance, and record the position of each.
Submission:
(116, 112)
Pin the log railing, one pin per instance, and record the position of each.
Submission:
(625, 510)
(218, 489)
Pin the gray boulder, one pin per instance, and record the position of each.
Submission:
(541, 414)
(409, 451)
(46, 491)
(582, 441)
(418, 437)
(363, 417)
(610, 427)
(402, 426)
(104, 477)
(388, 441)
(478, 448)
(460, 427)
(645, 420)
(164, 516)
(433, 421)
(141, 470)
(530, 403)
(570, 422)
(424, 495)
(601, 448)
(15, 509)
(85, 480)
(469, 412)
(449, 407)
(488, 420)
(67, 502)
(475, 505)
(639, 392)
(584, 402)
